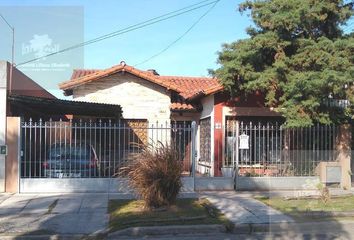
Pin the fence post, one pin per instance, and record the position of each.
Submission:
(344, 154)
(236, 155)
(193, 152)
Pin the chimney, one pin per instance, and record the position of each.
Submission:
(153, 71)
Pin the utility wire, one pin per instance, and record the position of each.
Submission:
(8, 24)
(180, 37)
(151, 21)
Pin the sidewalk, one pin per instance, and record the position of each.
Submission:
(86, 214)
(53, 213)
(243, 209)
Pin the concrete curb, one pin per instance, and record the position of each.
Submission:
(200, 229)
(212, 229)
(168, 230)
(42, 237)
(53, 236)
(280, 227)
(187, 230)
(261, 227)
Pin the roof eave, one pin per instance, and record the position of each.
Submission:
(185, 110)
(69, 85)
(68, 92)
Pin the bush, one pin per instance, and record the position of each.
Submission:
(155, 174)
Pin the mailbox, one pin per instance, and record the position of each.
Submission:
(329, 172)
(3, 150)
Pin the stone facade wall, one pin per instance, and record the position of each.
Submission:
(139, 98)
(140, 130)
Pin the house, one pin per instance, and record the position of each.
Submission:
(142, 94)
(144, 98)
(231, 133)
(147, 97)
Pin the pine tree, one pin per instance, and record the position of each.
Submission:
(297, 56)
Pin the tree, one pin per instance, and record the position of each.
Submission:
(297, 56)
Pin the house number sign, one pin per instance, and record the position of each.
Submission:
(244, 141)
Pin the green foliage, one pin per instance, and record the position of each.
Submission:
(155, 174)
(297, 56)
(324, 192)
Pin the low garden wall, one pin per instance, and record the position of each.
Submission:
(85, 185)
(277, 183)
(214, 183)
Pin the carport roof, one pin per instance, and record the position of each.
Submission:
(61, 107)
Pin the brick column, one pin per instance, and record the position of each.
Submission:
(343, 148)
(218, 139)
(12, 158)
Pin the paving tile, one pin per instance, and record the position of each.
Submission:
(73, 214)
(39, 205)
(244, 209)
(5, 211)
(67, 205)
(82, 223)
(16, 201)
(21, 224)
(4, 196)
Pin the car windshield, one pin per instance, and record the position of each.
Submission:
(69, 152)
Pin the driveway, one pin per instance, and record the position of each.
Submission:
(53, 213)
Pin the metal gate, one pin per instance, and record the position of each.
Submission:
(85, 155)
(267, 155)
(268, 149)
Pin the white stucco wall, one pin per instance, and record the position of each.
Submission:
(139, 98)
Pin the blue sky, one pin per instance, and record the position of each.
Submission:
(69, 22)
(191, 56)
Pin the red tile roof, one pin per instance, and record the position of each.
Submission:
(191, 86)
(188, 88)
(77, 73)
(183, 106)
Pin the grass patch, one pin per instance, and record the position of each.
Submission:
(298, 208)
(190, 211)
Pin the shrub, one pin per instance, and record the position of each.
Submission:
(155, 174)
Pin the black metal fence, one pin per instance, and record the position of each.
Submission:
(87, 149)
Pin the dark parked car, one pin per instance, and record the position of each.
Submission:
(70, 161)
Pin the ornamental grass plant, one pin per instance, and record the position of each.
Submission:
(155, 174)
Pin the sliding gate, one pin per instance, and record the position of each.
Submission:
(86, 156)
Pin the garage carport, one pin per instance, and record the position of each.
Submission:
(23, 108)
